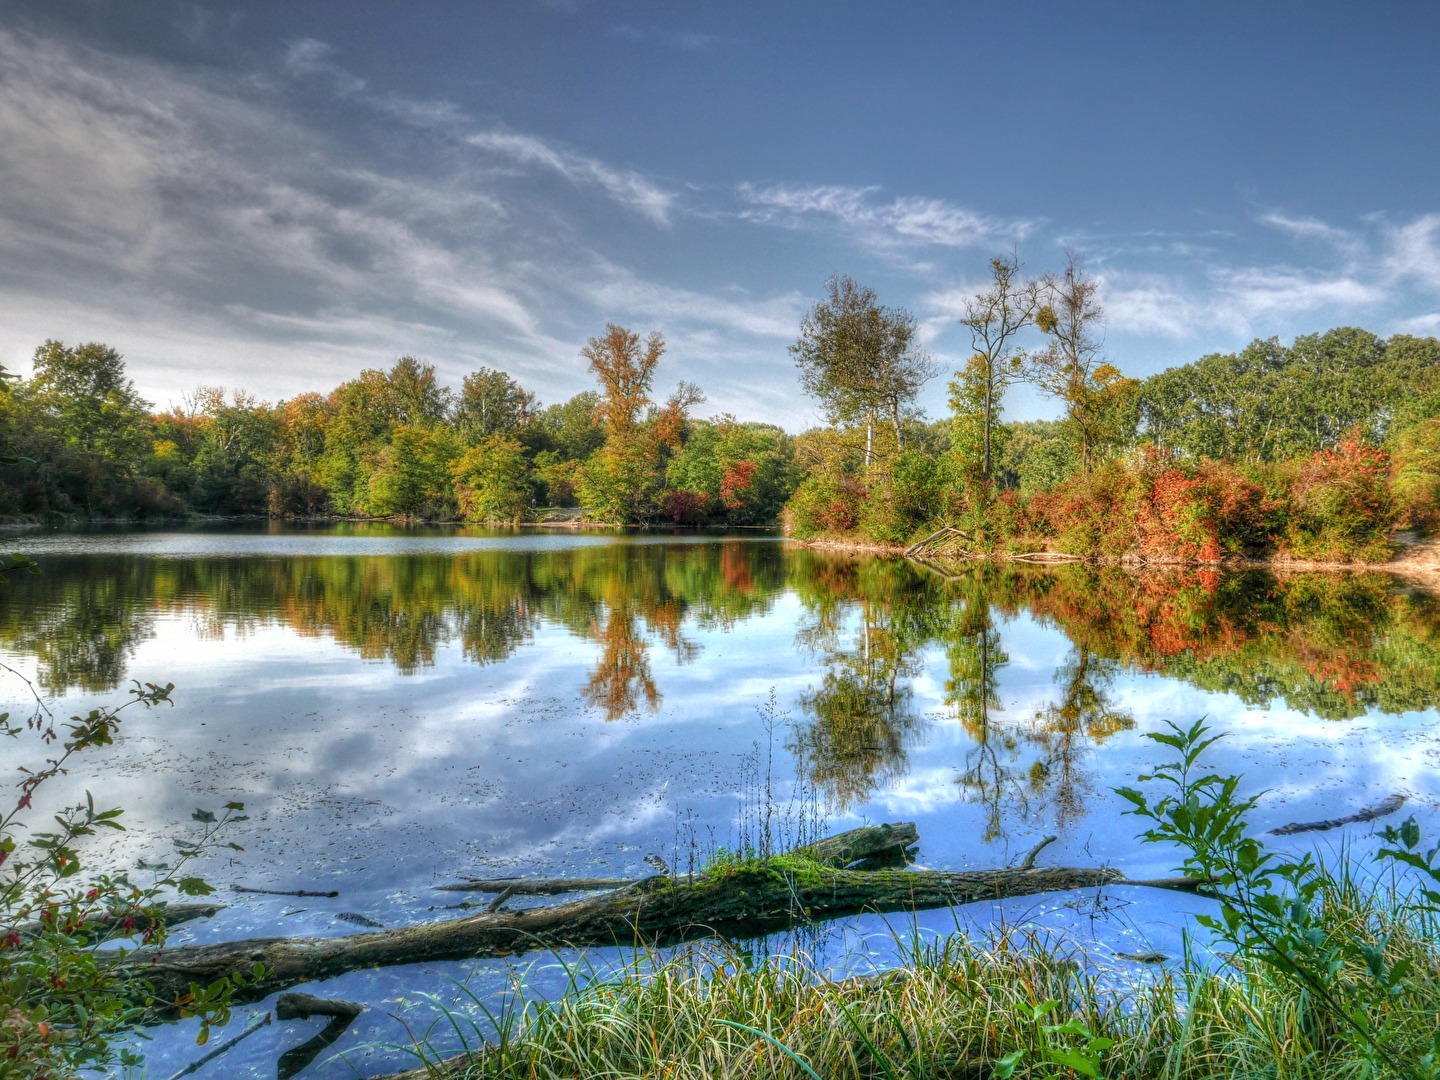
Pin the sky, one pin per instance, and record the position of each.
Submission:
(274, 195)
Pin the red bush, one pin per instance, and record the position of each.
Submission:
(686, 507)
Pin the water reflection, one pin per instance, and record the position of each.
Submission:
(1330, 646)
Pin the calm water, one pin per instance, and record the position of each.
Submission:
(401, 708)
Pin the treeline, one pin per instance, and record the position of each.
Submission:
(1319, 450)
(1322, 449)
(393, 443)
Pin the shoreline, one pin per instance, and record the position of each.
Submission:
(1416, 561)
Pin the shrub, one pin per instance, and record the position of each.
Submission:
(1416, 475)
(686, 507)
(1203, 512)
(1341, 506)
(824, 506)
(896, 508)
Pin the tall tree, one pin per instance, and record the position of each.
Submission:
(626, 372)
(93, 406)
(994, 318)
(860, 359)
(1098, 398)
(620, 481)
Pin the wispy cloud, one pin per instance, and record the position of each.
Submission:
(625, 187)
(1261, 291)
(906, 220)
(1310, 228)
(307, 58)
(688, 40)
(1414, 250)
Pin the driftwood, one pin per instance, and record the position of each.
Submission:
(841, 850)
(283, 892)
(1370, 813)
(519, 886)
(742, 901)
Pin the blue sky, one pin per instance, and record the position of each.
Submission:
(275, 195)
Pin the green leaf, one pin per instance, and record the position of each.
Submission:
(194, 886)
(1005, 1067)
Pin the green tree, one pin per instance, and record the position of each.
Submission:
(1099, 401)
(410, 477)
(491, 403)
(87, 396)
(492, 481)
(861, 359)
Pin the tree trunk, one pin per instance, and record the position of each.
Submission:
(745, 900)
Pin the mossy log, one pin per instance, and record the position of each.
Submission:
(840, 850)
(740, 900)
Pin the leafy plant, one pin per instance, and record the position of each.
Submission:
(1290, 913)
(65, 997)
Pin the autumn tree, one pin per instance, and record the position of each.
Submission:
(621, 480)
(860, 359)
(626, 372)
(1099, 401)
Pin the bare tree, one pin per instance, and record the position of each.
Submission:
(994, 317)
(1073, 366)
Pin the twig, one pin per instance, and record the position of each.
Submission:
(282, 892)
(499, 901)
(1370, 813)
(194, 1066)
(1029, 861)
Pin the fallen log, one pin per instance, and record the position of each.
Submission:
(840, 850)
(1370, 813)
(741, 901)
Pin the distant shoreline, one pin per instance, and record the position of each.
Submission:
(1417, 561)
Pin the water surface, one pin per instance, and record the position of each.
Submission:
(400, 708)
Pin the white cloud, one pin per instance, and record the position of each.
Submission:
(308, 58)
(628, 188)
(1263, 291)
(907, 220)
(1414, 250)
(1309, 228)
(1151, 304)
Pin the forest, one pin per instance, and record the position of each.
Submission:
(1321, 449)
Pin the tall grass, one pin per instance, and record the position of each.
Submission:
(954, 1008)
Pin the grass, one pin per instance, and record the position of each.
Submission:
(1333, 972)
(954, 1009)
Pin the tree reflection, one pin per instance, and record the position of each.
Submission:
(972, 691)
(1065, 730)
(863, 710)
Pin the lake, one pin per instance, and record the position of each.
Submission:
(400, 708)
